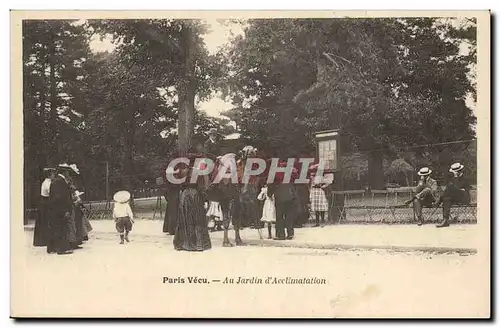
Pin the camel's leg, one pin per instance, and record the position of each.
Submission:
(259, 230)
(226, 242)
(226, 218)
(237, 237)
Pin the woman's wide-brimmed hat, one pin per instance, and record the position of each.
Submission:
(122, 196)
(69, 167)
(424, 171)
(456, 167)
(249, 149)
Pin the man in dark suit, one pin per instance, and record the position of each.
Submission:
(61, 205)
(212, 146)
(285, 196)
(456, 191)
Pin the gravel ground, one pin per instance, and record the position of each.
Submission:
(108, 279)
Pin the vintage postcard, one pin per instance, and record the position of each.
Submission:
(238, 164)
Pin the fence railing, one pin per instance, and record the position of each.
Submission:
(387, 206)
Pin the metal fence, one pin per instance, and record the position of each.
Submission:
(359, 207)
(387, 206)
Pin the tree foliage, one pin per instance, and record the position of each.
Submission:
(386, 83)
(120, 107)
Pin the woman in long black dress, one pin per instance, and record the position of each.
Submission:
(41, 234)
(172, 194)
(191, 233)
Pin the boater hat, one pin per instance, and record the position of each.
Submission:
(424, 171)
(71, 167)
(212, 131)
(456, 167)
(122, 196)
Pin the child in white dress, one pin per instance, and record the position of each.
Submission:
(214, 215)
(269, 209)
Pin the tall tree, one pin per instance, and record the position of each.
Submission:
(173, 53)
(384, 82)
(53, 53)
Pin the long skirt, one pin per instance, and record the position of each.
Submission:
(249, 206)
(191, 233)
(87, 225)
(80, 229)
(83, 226)
(58, 232)
(71, 232)
(172, 212)
(41, 234)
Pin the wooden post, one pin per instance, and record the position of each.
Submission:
(107, 185)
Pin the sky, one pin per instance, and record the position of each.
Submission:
(219, 33)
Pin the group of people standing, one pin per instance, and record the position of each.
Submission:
(61, 225)
(193, 207)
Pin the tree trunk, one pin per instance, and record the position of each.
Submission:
(41, 122)
(129, 158)
(376, 170)
(53, 101)
(187, 91)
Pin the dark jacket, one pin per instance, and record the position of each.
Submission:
(60, 196)
(458, 188)
(462, 182)
(212, 149)
(284, 192)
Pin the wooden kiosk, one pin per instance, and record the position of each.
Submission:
(328, 150)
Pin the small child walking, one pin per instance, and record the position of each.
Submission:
(269, 209)
(122, 213)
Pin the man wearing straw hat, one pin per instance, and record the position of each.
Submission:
(455, 192)
(426, 193)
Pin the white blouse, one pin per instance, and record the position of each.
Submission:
(45, 190)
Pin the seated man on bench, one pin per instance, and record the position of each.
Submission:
(455, 192)
(426, 193)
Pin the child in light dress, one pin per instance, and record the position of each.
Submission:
(214, 215)
(269, 209)
(319, 203)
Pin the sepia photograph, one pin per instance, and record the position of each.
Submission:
(239, 164)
